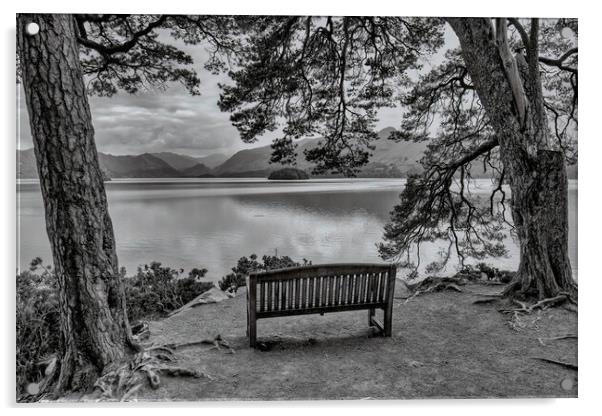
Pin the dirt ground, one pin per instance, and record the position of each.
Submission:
(443, 346)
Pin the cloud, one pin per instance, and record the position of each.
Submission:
(161, 120)
(169, 119)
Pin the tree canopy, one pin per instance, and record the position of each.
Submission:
(324, 76)
(132, 52)
(329, 76)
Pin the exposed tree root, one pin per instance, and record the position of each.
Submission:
(560, 363)
(486, 300)
(567, 336)
(523, 307)
(140, 331)
(431, 284)
(216, 343)
(519, 321)
(123, 382)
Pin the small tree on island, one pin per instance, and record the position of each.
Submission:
(513, 113)
(71, 56)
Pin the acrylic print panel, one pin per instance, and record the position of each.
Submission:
(296, 207)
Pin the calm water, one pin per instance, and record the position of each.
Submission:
(212, 222)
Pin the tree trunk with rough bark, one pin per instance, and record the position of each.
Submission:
(510, 90)
(94, 325)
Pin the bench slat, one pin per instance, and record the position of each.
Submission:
(381, 286)
(349, 289)
(377, 287)
(361, 288)
(317, 292)
(296, 291)
(356, 285)
(262, 296)
(310, 293)
(369, 278)
(324, 290)
(283, 295)
(369, 287)
(337, 290)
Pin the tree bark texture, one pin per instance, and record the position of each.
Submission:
(510, 90)
(94, 325)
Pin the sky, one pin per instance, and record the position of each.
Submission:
(171, 120)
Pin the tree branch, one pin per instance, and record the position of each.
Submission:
(521, 31)
(123, 47)
(478, 151)
(558, 63)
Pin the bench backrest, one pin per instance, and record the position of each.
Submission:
(320, 288)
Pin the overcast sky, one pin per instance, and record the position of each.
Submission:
(171, 120)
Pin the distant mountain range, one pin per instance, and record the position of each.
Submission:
(146, 165)
(389, 159)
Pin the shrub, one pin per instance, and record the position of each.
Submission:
(492, 273)
(156, 290)
(37, 322)
(246, 265)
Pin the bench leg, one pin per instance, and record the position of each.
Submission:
(251, 311)
(252, 333)
(371, 314)
(388, 321)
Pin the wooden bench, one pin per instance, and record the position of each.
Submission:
(321, 289)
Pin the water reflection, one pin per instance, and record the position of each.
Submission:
(211, 223)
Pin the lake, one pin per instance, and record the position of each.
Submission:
(211, 223)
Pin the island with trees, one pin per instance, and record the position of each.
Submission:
(288, 174)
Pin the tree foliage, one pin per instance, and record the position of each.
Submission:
(130, 52)
(324, 76)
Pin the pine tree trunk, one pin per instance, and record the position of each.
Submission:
(94, 326)
(510, 91)
(540, 214)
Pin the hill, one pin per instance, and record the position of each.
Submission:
(389, 158)
(176, 161)
(130, 166)
(212, 160)
(198, 170)
(140, 166)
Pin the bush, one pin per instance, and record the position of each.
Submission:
(492, 273)
(156, 291)
(246, 265)
(37, 322)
